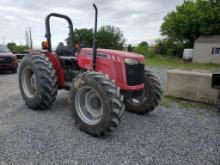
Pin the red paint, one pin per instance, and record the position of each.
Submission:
(57, 67)
(7, 54)
(112, 65)
(110, 62)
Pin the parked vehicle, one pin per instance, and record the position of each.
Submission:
(8, 61)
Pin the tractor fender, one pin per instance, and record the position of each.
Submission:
(59, 70)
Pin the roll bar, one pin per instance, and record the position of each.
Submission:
(48, 33)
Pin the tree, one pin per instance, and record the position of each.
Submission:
(11, 46)
(83, 36)
(110, 37)
(168, 47)
(129, 48)
(209, 16)
(16, 48)
(142, 48)
(21, 48)
(143, 43)
(192, 19)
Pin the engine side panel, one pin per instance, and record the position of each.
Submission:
(108, 64)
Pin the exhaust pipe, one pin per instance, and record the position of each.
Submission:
(94, 38)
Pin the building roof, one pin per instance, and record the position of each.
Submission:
(208, 39)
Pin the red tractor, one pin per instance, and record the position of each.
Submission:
(102, 82)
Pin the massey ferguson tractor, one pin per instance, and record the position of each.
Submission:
(102, 82)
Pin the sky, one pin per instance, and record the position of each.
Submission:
(140, 20)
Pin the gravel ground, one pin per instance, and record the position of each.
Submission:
(168, 135)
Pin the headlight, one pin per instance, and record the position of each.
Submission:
(141, 62)
(131, 61)
(14, 59)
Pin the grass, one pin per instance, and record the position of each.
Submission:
(183, 104)
(174, 62)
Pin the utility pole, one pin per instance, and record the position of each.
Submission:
(31, 41)
(27, 39)
(3, 40)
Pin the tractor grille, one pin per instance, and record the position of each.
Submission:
(135, 74)
(5, 60)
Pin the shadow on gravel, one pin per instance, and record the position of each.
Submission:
(2, 72)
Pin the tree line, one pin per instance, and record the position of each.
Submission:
(184, 25)
(13, 47)
(179, 30)
(108, 37)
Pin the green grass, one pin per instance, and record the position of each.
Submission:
(174, 62)
(183, 104)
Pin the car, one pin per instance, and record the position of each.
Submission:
(8, 61)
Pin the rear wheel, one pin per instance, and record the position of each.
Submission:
(150, 97)
(37, 81)
(96, 103)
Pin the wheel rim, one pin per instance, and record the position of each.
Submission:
(29, 82)
(88, 105)
(138, 100)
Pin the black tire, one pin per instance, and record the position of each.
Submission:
(152, 95)
(110, 99)
(45, 80)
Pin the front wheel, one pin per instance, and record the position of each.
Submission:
(149, 98)
(37, 81)
(96, 103)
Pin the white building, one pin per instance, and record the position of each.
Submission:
(207, 49)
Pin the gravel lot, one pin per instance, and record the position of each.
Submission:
(168, 135)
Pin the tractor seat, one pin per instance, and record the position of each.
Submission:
(64, 51)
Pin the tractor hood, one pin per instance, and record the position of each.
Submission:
(116, 53)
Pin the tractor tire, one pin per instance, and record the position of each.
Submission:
(96, 103)
(151, 96)
(37, 82)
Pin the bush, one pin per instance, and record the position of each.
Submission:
(16, 48)
(143, 50)
(169, 47)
